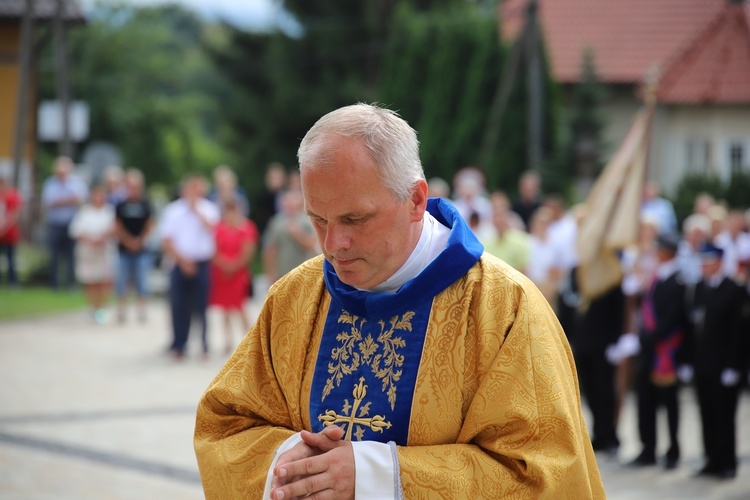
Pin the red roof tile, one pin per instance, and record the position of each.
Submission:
(628, 36)
(715, 66)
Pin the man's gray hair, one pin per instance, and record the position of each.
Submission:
(392, 144)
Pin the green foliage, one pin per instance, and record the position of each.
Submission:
(436, 62)
(588, 95)
(29, 302)
(440, 70)
(285, 83)
(150, 88)
(582, 148)
(179, 94)
(32, 264)
(735, 192)
(511, 158)
(34, 298)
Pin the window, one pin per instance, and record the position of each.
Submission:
(698, 156)
(737, 156)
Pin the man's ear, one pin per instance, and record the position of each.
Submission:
(418, 200)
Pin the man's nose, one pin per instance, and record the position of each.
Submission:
(337, 238)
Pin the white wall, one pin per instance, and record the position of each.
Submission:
(618, 113)
(674, 126)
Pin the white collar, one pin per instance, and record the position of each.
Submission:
(432, 241)
(715, 280)
(666, 269)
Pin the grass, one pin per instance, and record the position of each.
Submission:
(32, 301)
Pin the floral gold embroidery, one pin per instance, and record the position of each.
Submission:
(342, 355)
(380, 354)
(350, 418)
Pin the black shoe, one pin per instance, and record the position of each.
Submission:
(606, 446)
(642, 460)
(670, 463)
(727, 474)
(707, 470)
(609, 452)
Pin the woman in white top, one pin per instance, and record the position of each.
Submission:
(93, 228)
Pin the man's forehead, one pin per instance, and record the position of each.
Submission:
(339, 205)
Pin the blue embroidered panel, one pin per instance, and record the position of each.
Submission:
(366, 372)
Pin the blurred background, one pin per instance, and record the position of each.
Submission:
(638, 110)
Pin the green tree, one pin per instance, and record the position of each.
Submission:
(149, 87)
(738, 190)
(690, 187)
(580, 154)
(440, 70)
(511, 158)
(285, 82)
(436, 62)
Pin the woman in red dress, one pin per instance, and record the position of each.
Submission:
(236, 243)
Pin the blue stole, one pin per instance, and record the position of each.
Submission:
(372, 342)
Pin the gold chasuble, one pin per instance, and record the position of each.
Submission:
(465, 369)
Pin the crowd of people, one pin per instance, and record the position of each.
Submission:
(680, 316)
(108, 236)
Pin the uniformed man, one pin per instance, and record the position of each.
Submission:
(663, 359)
(720, 314)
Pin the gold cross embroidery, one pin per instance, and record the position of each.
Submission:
(376, 423)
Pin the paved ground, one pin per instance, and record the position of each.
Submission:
(97, 412)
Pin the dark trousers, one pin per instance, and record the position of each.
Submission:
(718, 406)
(61, 249)
(650, 397)
(188, 297)
(597, 379)
(10, 255)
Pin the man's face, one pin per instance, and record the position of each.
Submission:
(365, 233)
(135, 188)
(665, 254)
(709, 267)
(62, 168)
(735, 223)
(695, 237)
(500, 213)
(529, 187)
(193, 189)
(98, 197)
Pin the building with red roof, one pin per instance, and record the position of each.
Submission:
(699, 48)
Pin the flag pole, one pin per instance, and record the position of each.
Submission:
(613, 206)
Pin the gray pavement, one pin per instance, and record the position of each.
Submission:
(93, 411)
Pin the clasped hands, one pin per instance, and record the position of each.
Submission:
(319, 467)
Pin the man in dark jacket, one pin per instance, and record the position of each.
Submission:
(663, 355)
(720, 313)
(596, 327)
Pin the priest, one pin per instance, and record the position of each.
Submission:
(402, 363)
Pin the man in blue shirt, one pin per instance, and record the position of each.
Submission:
(62, 194)
(658, 208)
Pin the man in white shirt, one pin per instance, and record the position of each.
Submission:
(187, 231)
